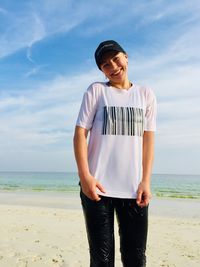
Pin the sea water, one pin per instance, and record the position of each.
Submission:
(163, 185)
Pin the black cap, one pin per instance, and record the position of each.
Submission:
(104, 47)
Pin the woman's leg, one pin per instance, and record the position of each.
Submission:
(99, 219)
(133, 226)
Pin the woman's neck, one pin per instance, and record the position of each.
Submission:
(124, 85)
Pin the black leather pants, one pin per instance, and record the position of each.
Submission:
(133, 224)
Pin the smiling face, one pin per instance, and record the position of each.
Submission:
(115, 66)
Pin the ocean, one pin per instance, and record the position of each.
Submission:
(163, 185)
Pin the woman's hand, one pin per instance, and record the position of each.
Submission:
(89, 185)
(143, 194)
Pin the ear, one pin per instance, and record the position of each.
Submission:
(126, 56)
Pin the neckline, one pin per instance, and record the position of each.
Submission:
(120, 90)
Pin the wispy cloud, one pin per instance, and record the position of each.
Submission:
(20, 32)
(174, 68)
(34, 70)
(37, 21)
(162, 38)
(173, 72)
(3, 11)
(43, 116)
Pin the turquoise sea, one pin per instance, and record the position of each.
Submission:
(163, 185)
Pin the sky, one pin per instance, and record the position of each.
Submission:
(47, 62)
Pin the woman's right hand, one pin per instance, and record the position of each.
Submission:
(89, 185)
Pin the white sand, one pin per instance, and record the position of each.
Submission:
(40, 230)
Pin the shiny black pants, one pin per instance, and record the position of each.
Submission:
(133, 224)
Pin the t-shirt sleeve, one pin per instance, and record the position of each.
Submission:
(151, 112)
(88, 109)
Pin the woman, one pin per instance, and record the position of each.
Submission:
(115, 166)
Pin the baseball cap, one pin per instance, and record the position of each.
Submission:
(104, 47)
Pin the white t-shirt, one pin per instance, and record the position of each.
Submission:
(117, 119)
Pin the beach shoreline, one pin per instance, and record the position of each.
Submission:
(159, 206)
(47, 229)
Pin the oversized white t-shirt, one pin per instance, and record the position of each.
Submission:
(117, 119)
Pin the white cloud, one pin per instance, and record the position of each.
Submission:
(36, 22)
(44, 116)
(158, 10)
(41, 121)
(21, 31)
(8, 102)
(35, 69)
(40, 19)
(173, 73)
(178, 123)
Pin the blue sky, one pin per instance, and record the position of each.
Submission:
(46, 64)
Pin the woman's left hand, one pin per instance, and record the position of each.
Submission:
(143, 194)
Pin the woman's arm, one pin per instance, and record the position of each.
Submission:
(144, 190)
(88, 182)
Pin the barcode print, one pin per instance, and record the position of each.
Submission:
(123, 121)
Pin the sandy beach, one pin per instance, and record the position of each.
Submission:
(39, 229)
